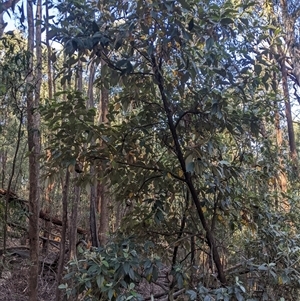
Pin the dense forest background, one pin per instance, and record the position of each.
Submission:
(149, 150)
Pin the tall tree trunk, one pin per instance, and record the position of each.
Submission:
(289, 21)
(93, 171)
(49, 53)
(104, 198)
(77, 191)
(50, 186)
(288, 114)
(33, 119)
(62, 251)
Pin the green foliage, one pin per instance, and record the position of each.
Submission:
(70, 123)
(111, 273)
(190, 138)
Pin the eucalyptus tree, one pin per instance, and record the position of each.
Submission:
(33, 80)
(286, 14)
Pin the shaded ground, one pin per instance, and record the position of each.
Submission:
(15, 271)
(14, 281)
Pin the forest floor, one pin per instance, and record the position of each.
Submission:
(15, 272)
(14, 282)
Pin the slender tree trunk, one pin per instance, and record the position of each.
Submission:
(47, 224)
(289, 22)
(50, 185)
(49, 53)
(93, 171)
(62, 252)
(2, 24)
(33, 125)
(3, 167)
(78, 79)
(77, 191)
(281, 179)
(73, 221)
(104, 198)
(288, 113)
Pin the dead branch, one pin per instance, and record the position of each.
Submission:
(56, 221)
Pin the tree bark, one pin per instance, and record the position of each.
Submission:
(93, 172)
(33, 128)
(104, 198)
(289, 21)
(77, 189)
(3, 160)
(49, 53)
(63, 233)
(288, 114)
(2, 24)
(73, 222)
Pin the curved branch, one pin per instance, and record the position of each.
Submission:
(187, 175)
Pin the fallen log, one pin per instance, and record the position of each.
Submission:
(45, 216)
(13, 250)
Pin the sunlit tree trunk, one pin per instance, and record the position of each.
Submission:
(33, 125)
(281, 177)
(289, 21)
(49, 53)
(288, 113)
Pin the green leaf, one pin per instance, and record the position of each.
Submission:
(190, 167)
(207, 298)
(110, 293)
(263, 267)
(238, 296)
(192, 295)
(184, 4)
(209, 43)
(226, 21)
(191, 24)
(258, 69)
(126, 268)
(99, 281)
